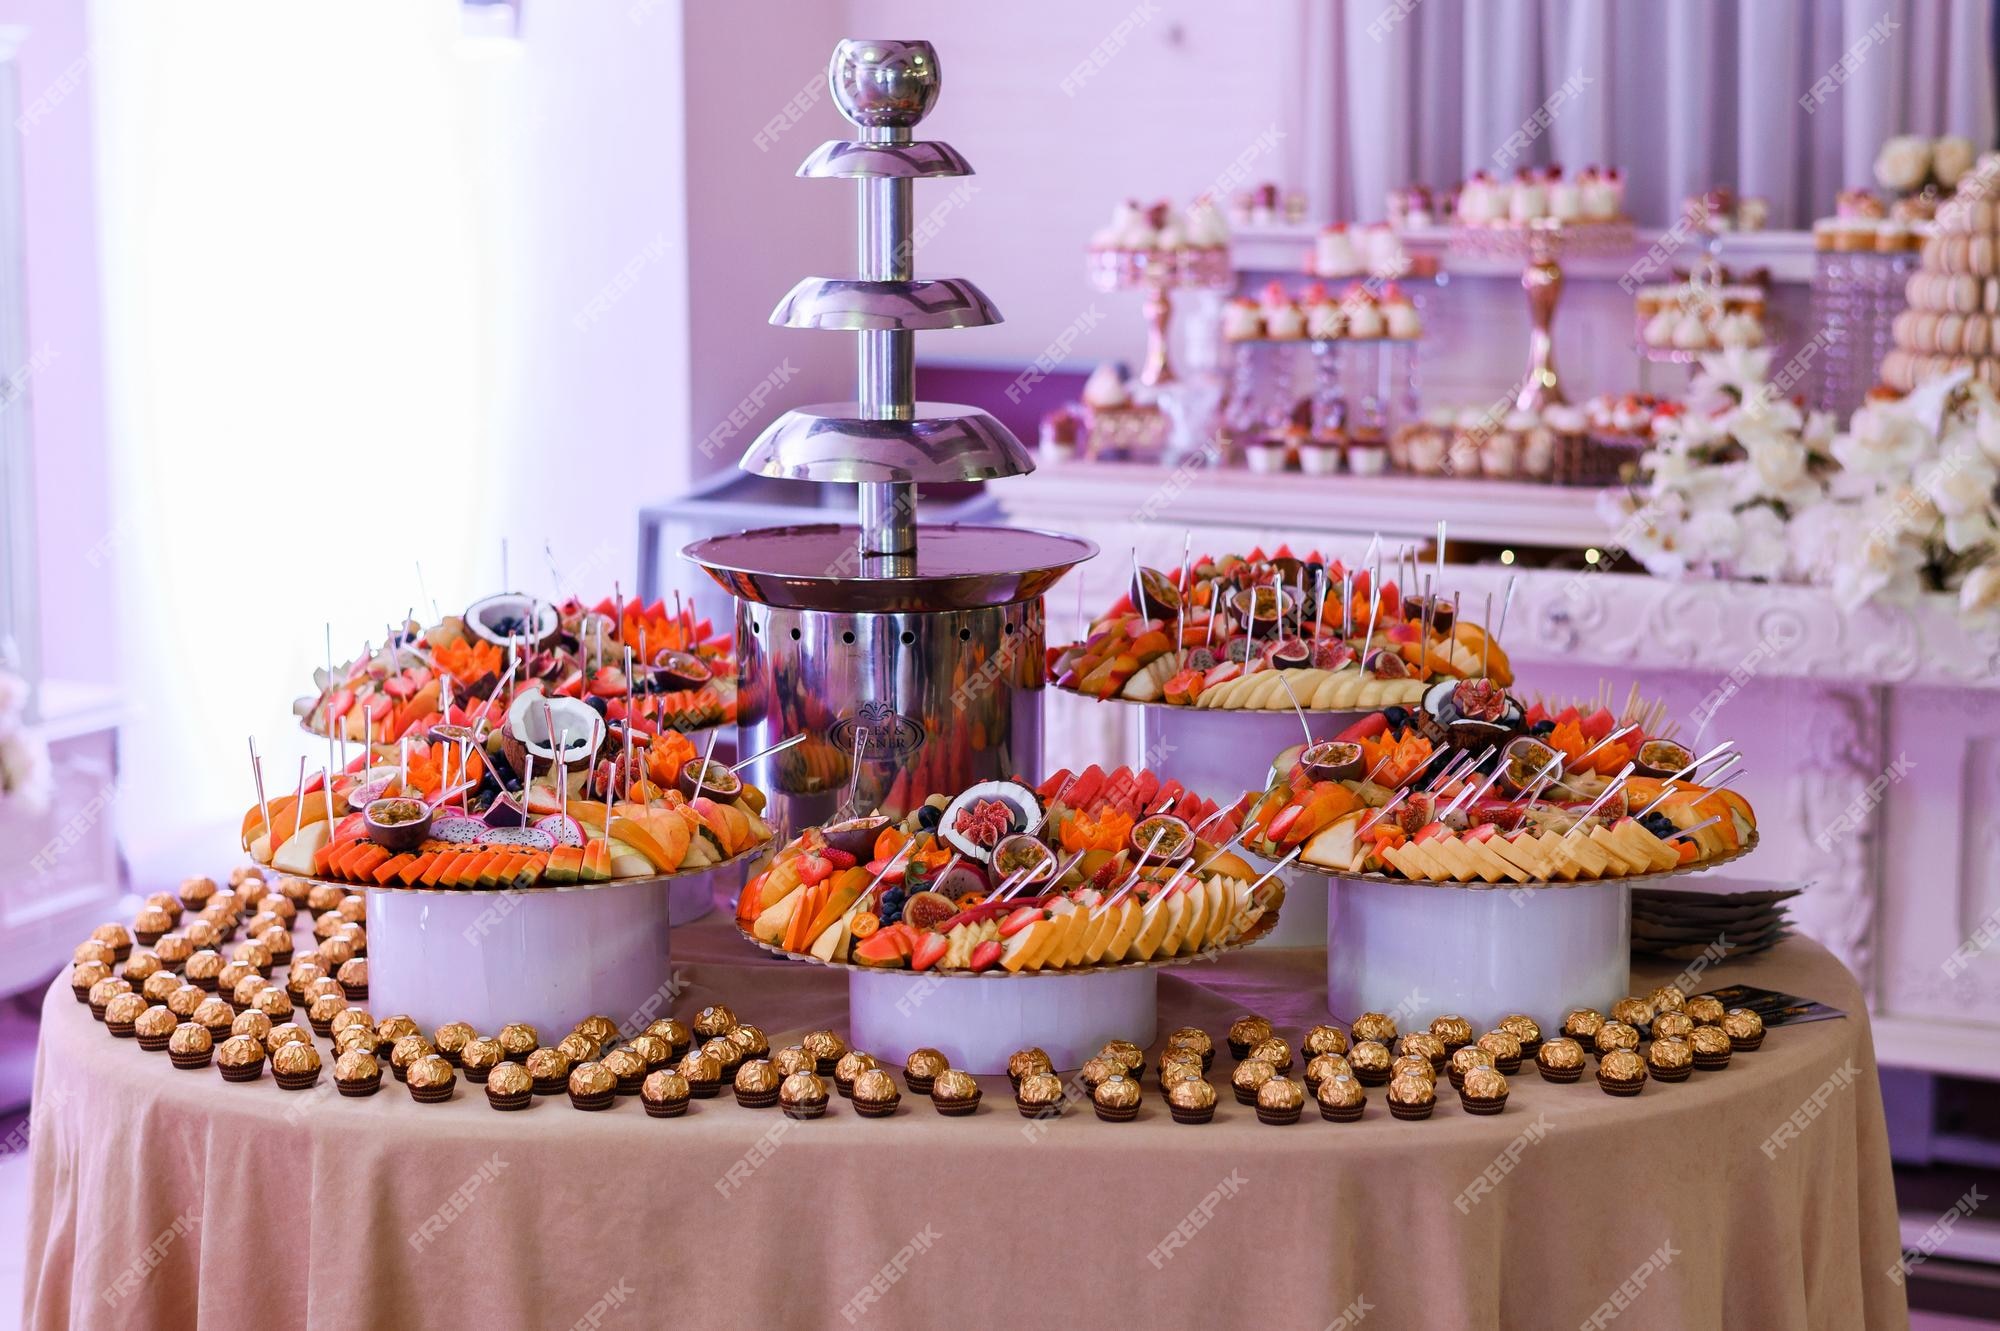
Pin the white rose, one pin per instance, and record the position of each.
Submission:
(1764, 549)
(1960, 483)
(1713, 535)
(13, 695)
(1951, 157)
(1880, 565)
(1979, 594)
(1881, 437)
(1777, 464)
(1904, 163)
(1986, 430)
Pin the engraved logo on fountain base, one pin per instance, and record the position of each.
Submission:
(883, 733)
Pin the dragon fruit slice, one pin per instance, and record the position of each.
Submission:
(504, 812)
(521, 838)
(561, 829)
(459, 831)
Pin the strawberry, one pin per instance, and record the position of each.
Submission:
(1019, 920)
(840, 859)
(984, 957)
(608, 682)
(814, 869)
(929, 952)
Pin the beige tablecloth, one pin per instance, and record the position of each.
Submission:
(167, 1198)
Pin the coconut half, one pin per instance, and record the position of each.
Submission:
(511, 617)
(986, 814)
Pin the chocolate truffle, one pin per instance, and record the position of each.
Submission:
(675, 1032)
(1096, 1071)
(1412, 1097)
(1667, 998)
(1744, 1028)
(1191, 1101)
(254, 955)
(353, 977)
(508, 1085)
(1377, 1026)
(1425, 1045)
(203, 968)
(197, 892)
(1341, 1099)
(295, 1066)
(1505, 1048)
(357, 1073)
(322, 1010)
(391, 1029)
(244, 993)
(1633, 1012)
(580, 1048)
(277, 940)
(85, 976)
(254, 1024)
(1026, 1062)
(629, 1066)
(1560, 1060)
(335, 953)
(159, 985)
(273, 1002)
(1039, 1095)
(1196, 1039)
(1324, 1066)
(1622, 1072)
(1711, 1048)
(104, 991)
(1180, 1064)
(1465, 1059)
(713, 1021)
(219, 1017)
(752, 1041)
(185, 1001)
(300, 974)
(727, 1052)
(285, 1033)
(1116, 1099)
(478, 1059)
(150, 924)
(176, 950)
(1705, 1009)
(665, 1094)
(154, 1027)
(1673, 1025)
(1370, 1061)
(792, 1059)
(1246, 1032)
(875, 1094)
(550, 1069)
(1325, 1040)
(1279, 1101)
(1582, 1025)
(803, 1095)
(851, 1065)
(1671, 1059)
(703, 1071)
(451, 1039)
(323, 897)
(1412, 1065)
(404, 1054)
(122, 1011)
(1454, 1030)
(1126, 1055)
(1273, 1051)
(353, 909)
(430, 1079)
(1484, 1091)
(653, 1049)
(826, 1047)
(191, 1045)
(598, 1027)
(921, 1069)
(354, 1037)
(143, 966)
(91, 949)
(1615, 1035)
(202, 936)
(518, 1040)
(116, 937)
(954, 1093)
(1249, 1078)
(241, 1058)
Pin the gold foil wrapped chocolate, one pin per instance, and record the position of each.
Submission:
(851, 1065)
(1412, 1065)
(430, 1073)
(1669, 1055)
(1744, 1028)
(1582, 1024)
(714, 1021)
(925, 1064)
(159, 985)
(1453, 1030)
(1424, 1045)
(1484, 1084)
(1667, 998)
(1705, 1009)
(665, 1087)
(1614, 1035)
(1468, 1057)
(752, 1041)
(190, 1038)
(357, 1067)
(452, 1037)
(91, 949)
(588, 1079)
(335, 953)
(217, 1015)
(391, 1029)
(203, 965)
(727, 1052)
(195, 892)
(176, 950)
(1523, 1028)
(1250, 1075)
(826, 1047)
(792, 1059)
(1280, 1094)
(406, 1051)
(1174, 1073)
(1327, 1065)
(802, 1090)
(875, 1092)
(1273, 1051)
(1621, 1068)
(285, 1033)
(953, 1085)
(252, 954)
(353, 1016)
(1192, 1037)
(257, 1025)
(1325, 1040)
(699, 1067)
(124, 1009)
(652, 1048)
(674, 1031)
(1040, 1090)
(353, 909)
(185, 1001)
(627, 1065)
(1097, 1071)
(599, 1028)
(143, 966)
(1632, 1012)
(1560, 1054)
(1119, 1092)
(1370, 1057)
(324, 1009)
(202, 935)
(480, 1054)
(510, 1079)
(1341, 1093)
(245, 992)
(579, 1048)
(548, 1064)
(1412, 1091)
(1247, 1031)
(239, 1051)
(1673, 1025)
(155, 1023)
(151, 923)
(114, 936)
(1195, 1094)
(294, 1060)
(273, 1002)
(1711, 1046)
(1026, 1062)
(107, 989)
(354, 1037)
(1377, 1026)
(1505, 1047)
(518, 1040)
(86, 975)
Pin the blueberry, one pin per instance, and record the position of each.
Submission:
(1542, 727)
(1659, 825)
(597, 704)
(929, 816)
(1395, 716)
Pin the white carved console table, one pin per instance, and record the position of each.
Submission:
(1872, 739)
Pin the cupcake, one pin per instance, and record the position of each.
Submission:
(703, 1072)
(357, 1074)
(406, 1051)
(508, 1085)
(1195, 1039)
(451, 1039)
(1484, 1091)
(851, 1066)
(657, 1052)
(1582, 1024)
(665, 1094)
(1635, 1012)
(1370, 1062)
(1116, 1099)
(353, 977)
(1191, 1101)
(86, 975)
(1279, 1101)
(1324, 1066)
(593, 1087)
(826, 1048)
(240, 1058)
(478, 1058)
(875, 1094)
(104, 991)
(1275, 1052)
(277, 1037)
(675, 1032)
(295, 1066)
(1505, 1049)
(1711, 1048)
(803, 1095)
(1325, 1040)
(629, 1066)
(1667, 998)
(122, 1012)
(793, 1058)
(1378, 1027)
(550, 1069)
(1455, 1031)
(1245, 1033)
(1621, 1072)
(757, 1084)
(1560, 1060)
(921, 1069)
(713, 1021)
(155, 1027)
(1412, 1097)
(1744, 1028)
(518, 1040)
(191, 1045)
(1704, 1009)
(1425, 1045)
(954, 1093)
(1670, 1059)
(431, 1079)
(1039, 1095)
(1463, 1060)
(1249, 1078)
(1341, 1099)
(1616, 1035)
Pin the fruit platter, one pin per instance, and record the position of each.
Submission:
(658, 668)
(1273, 632)
(556, 797)
(1473, 787)
(1088, 871)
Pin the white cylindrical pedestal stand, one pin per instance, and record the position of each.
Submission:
(542, 956)
(978, 1022)
(1222, 754)
(1417, 952)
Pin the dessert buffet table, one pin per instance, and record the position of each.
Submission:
(1755, 1196)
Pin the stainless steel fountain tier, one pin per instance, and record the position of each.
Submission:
(911, 657)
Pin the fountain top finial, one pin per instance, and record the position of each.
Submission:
(881, 84)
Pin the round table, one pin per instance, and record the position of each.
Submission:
(1759, 1196)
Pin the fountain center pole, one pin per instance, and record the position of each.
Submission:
(888, 362)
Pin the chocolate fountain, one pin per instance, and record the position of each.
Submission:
(908, 656)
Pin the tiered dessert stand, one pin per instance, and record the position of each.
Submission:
(1540, 245)
(911, 658)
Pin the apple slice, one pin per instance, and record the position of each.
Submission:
(831, 945)
(769, 926)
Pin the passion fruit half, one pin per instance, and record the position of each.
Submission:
(1332, 760)
(1024, 860)
(1154, 595)
(397, 824)
(1262, 610)
(856, 836)
(1176, 838)
(677, 672)
(710, 777)
(1662, 757)
(1523, 760)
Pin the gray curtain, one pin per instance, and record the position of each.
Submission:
(1683, 95)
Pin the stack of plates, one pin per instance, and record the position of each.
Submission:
(1714, 917)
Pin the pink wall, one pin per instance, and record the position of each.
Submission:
(63, 328)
